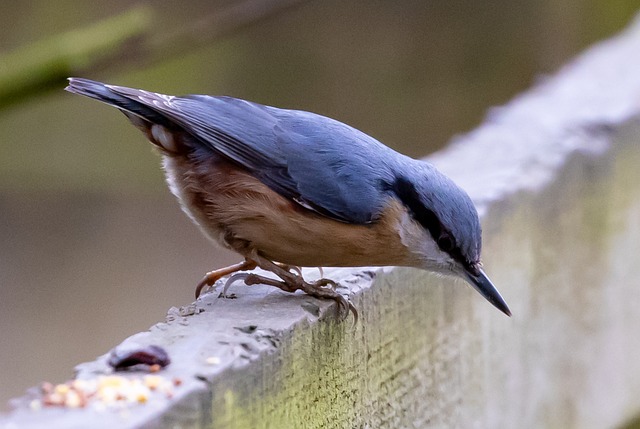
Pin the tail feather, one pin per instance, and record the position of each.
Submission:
(115, 96)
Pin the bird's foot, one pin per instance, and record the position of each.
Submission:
(323, 289)
(291, 276)
(213, 276)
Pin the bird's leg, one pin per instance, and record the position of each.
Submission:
(297, 269)
(292, 282)
(213, 276)
(290, 268)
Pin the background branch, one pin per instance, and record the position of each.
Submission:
(117, 42)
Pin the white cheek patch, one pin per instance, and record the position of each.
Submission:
(419, 241)
(411, 234)
(163, 138)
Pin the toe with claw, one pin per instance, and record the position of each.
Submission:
(213, 276)
(323, 289)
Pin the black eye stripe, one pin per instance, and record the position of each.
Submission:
(406, 192)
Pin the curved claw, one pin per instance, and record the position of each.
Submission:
(201, 285)
(346, 307)
(234, 278)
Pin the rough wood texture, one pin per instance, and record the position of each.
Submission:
(556, 175)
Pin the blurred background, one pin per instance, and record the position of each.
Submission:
(93, 247)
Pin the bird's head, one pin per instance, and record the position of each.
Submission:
(441, 228)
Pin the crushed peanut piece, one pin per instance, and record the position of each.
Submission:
(213, 360)
(105, 391)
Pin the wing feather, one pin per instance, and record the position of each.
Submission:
(313, 160)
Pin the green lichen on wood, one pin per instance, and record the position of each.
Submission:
(380, 372)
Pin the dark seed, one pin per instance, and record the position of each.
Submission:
(148, 355)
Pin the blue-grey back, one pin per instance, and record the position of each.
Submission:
(319, 162)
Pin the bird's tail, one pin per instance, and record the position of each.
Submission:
(125, 99)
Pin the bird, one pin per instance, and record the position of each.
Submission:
(289, 188)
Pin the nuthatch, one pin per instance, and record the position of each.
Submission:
(288, 188)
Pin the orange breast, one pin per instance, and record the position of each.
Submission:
(242, 213)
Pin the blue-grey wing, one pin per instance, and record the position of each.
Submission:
(318, 162)
(334, 166)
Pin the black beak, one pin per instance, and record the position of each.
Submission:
(482, 284)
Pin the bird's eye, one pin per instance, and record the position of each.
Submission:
(445, 242)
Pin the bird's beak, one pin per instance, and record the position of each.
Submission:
(482, 284)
